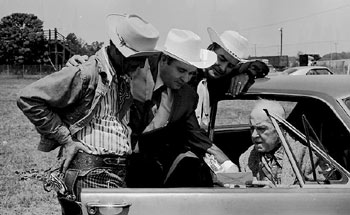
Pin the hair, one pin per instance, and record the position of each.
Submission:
(169, 60)
(115, 56)
(213, 46)
(270, 105)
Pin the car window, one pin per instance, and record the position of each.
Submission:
(324, 126)
(235, 112)
(318, 72)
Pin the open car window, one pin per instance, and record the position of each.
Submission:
(236, 112)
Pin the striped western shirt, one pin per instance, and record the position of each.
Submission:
(106, 133)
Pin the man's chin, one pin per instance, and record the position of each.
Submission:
(214, 74)
(259, 148)
(177, 86)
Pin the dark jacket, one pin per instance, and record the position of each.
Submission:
(182, 132)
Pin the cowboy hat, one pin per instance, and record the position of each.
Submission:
(184, 46)
(131, 34)
(232, 42)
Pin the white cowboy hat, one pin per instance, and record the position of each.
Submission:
(132, 35)
(185, 45)
(232, 42)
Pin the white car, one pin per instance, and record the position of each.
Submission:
(307, 70)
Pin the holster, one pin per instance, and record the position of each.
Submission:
(70, 179)
(84, 163)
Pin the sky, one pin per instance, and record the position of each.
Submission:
(307, 26)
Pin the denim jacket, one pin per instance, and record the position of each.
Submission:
(62, 103)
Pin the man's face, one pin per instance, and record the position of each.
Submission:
(263, 134)
(176, 73)
(224, 64)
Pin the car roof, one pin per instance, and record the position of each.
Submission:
(332, 85)
(310, 67)
(303, 69)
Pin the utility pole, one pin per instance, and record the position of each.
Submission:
(281, 30)
(255, 49)
(336, 54)
(331, 51)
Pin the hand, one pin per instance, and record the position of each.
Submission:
(238, 83)
(218, 154)
(76, 60)
(68, 152)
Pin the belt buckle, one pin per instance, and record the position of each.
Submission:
(112, 161)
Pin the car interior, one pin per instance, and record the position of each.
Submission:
(235, 139)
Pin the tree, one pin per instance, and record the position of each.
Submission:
(91, 49)
(75, 44)
(22, 39)
(78, 45)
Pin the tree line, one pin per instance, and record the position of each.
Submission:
(22, 41)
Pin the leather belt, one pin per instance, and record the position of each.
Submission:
(84, 160)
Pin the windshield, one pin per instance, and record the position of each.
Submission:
(290, 70)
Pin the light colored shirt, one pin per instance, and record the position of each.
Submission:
(203, 106)
(162, 113)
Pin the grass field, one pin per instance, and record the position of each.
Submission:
(18, 154)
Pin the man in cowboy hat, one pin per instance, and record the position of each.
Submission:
(166, 131)
(231, 73)
(84, 110)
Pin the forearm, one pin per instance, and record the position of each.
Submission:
(196, 137)
(42, 100)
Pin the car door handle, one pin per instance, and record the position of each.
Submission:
(94, 208)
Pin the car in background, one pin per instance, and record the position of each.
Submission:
(318, 114)
(307, 70)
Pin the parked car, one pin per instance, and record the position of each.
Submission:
(307, 70)
(319, 105)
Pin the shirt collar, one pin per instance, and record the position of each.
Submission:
(159, 81)
(276, 155)
(279, 153)
(110, 72)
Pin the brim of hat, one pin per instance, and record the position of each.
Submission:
(215, 38)
(208, 58)
(113, 21)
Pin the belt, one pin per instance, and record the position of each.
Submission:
(84, 160)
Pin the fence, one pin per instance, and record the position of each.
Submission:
(22, 71)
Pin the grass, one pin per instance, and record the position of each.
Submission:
(18, 154)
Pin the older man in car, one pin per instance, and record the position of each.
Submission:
(266, 158)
